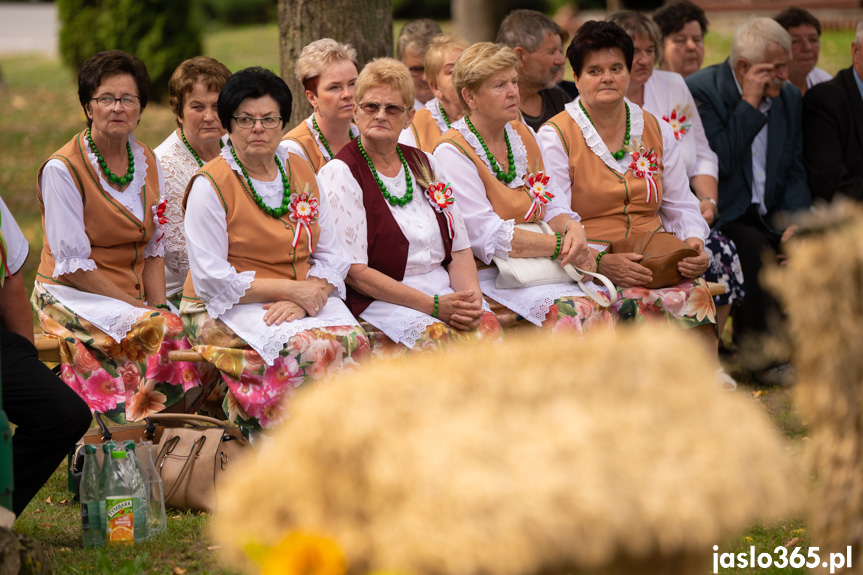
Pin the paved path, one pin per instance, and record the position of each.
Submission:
(28, 27)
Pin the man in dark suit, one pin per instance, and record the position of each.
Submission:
(752, 118)
(833, 131)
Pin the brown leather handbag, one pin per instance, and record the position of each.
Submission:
(662, 252)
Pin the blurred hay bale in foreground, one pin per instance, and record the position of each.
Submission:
(543, 455)
(822, 292)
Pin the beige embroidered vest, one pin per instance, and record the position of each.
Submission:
(611, 205)
(303, 136)
(117, 238)
(425, 130)
(259, 242)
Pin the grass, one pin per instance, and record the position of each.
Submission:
(40, 112)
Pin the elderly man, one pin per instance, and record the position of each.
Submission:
(536, 40)
(833, 130)
(414, 40)
(805, 31)
(752, 120)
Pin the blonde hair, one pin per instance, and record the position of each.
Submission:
(751, 38)
(479, 63)
(440, 45)
(317, 56)
(386, 72)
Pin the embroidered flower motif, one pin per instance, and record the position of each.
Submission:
(678, 120)
(304, 211)
(440, 197)
(644, 165)
(159, 217)
(539, 195)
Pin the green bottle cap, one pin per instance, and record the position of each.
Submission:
(90, 449)
(118, 454)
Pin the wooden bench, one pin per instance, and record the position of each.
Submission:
(49, 350)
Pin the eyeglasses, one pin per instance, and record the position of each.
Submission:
(248, 122)
(417, 70)
(126, 102)
(372, 109)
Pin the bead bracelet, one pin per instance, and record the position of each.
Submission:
(163, 306)
(557, 249)
(436, 305)
(598, 258)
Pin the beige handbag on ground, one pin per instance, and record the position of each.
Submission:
(193, 458)
(525, 272)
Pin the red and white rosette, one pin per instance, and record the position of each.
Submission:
(440, 197)
(304, 211)
(538, 193)
(678, 121)
(159, 216)
(644, 165)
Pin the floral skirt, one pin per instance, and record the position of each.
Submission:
(571, 314)
(124, 381)
(724, 269)
(687, 304)
(258, 394)
(436, 336)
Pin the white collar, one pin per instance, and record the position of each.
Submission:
(519, 152)
(594, 141)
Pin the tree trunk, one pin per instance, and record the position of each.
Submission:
(367, 25)
(476, 20)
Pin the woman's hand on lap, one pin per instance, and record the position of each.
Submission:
(624, 269)
(695, 266)
(282, 311)
(575, 250)
(308, 295)
(461, 310)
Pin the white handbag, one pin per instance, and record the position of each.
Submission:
(516, 273)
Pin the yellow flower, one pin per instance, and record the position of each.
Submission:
(299, 554)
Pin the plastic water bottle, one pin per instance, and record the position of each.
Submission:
(120, 500)
(92, 502)
(156, 520)
(140, 492)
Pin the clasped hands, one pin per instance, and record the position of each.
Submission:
(625, 271)
(307, 298)
(461, 310)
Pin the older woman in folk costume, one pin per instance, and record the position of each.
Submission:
(438, 114)
(412, 278)
(328, 72)
(621, 169)
(100, 287)
(261, 300)
(494, 163)
(193, 89)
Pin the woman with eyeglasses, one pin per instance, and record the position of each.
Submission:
(328, 72)
(496, 167)
(412, 278)
(100, 286)
(261, 302)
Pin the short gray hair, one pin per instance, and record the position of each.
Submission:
(751, 39)
(859, 38)
(526, 28)
(416, 35)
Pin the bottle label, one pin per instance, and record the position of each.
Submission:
(120, 520)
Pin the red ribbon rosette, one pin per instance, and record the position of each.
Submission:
(440, 197)
(160, 217)
(538, 193)
(677, 121)
(645, 165)
(304, 211)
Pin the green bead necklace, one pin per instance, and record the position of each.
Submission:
(394, 201)
(112, 177)
(618, 155)
(442, 113)
(286, 186)
(324, 140)
(188, 145)
(507, 177)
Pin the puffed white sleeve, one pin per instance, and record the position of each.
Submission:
(155, 248)
(64, 220)
(215, 280)
(17, 247)
(706, 160)
(679, 211)
(489, 234)
(330, 260)
(293, 148)
(344, 198)
(407, 137)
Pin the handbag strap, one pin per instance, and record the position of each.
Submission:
(578, 274)
(196, 448)
(189, 418)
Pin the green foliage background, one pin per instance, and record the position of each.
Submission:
(162, 33)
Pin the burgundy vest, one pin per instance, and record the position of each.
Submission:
(388, 247)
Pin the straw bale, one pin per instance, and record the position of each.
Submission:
(822, 291)
(537, 456)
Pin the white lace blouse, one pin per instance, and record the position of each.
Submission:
(679, 210)
(667, 97)
(489, 234)
(294, 148)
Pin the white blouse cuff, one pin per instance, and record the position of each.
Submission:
(689, 232)
(503, 241)
(70, 265)
(331, 276)
(155, 249)
(705, 168)
(231, 294)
